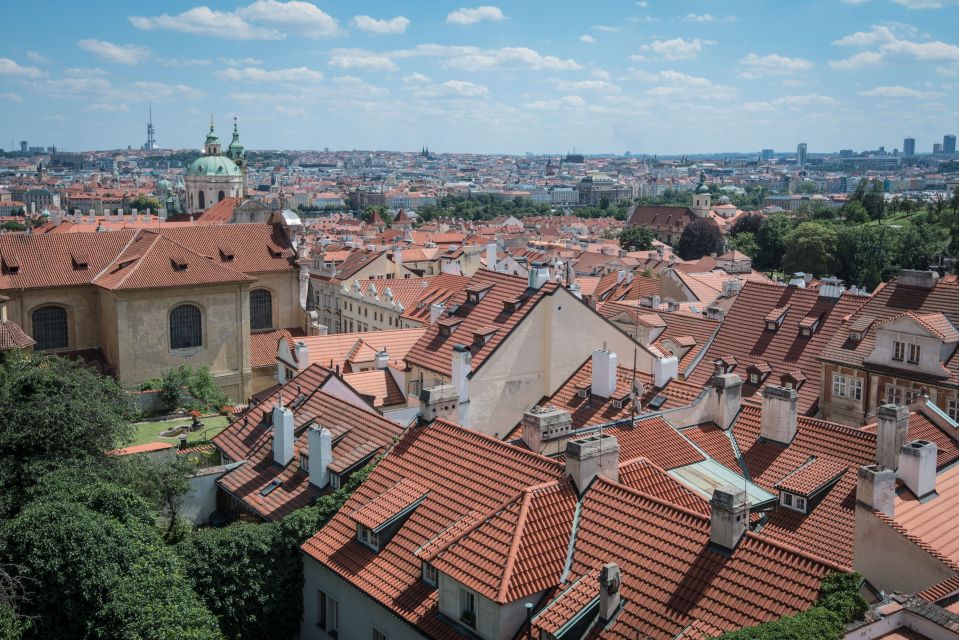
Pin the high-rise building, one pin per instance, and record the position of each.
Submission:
(767, 154)
(937, 148)
(150, 144)
(948, 143)
(801, 156)
(23, 146)
(909, 146)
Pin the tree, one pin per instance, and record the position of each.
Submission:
(811, 248)
(874, 201)
(771, 242)
(142, 203)
(744, 242)
(53, 413)
(855, 213)
(639, 237)
(701, 237)
(747, 223)
(193, 388)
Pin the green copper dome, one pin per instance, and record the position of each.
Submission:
(702, 188)
(213, 166)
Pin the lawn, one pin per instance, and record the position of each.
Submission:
(145, 432)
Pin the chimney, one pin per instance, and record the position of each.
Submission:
(664, 370)
(439, 402)
(398, 256)
(302, 354)
(282, 434)
(715, 312)
(538, 275)
(603, 382)
(730, 517)
(609, 596)
(620, 276)
(918, 279)
(436, 311)
(876, 488)
(726, 398)
(778, 422)
(629, 277)
(893, 424)
(320, 441)
(917, 467)
(656, 301)
(588, 457)
(461, 367)
(491, 256)
(543, 424)
(382, 359)
(831, 289)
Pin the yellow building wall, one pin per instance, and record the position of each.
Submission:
(81, 303)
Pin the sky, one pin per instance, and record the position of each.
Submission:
(653, 77)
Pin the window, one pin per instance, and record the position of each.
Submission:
(847, 387)
(335, 480)
(754, 378)
(787, 499)
(186, 331)
(378, 634)
(914, 353)
(856, 388)
(429, 574)
(327, 613)
(220, 196)
(50, 328)
(800, 503)
(368, 537)
(201, 200)
(898, 350)
(468, 607)
(321, 604)
(839, 386)
(261, 310)
(893, 394)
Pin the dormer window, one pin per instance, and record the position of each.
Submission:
(368, 537)
(511, 305)
(914, 353)
(898, 351)
(429, 574)
(10, 264)
(809, 325)
(179, 264)
(584, 391)
(448, 326)
(775, 318)
(792, 501)
(80, 261)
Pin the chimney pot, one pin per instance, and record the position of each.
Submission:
(282, 434)
(461, 366)
(730, 517)
(603, 382)
(436, 311)
(727, 396)
(441, 401)
(876, 488)
(779, 413)
(917, 467)
(891, 429)
(320, 441)
(382, 359)
(543, 424)
(609, 591)
(587, 457)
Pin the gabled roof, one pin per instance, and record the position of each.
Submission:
(434, 351)
(743, 335)
(680, 328)
(13, 337)
(346, 349)
(379, 384)
(659, 217)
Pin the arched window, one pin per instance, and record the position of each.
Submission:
(220, 196)
(50, 328)
(186, 327)
(261, 310)
(202, 200)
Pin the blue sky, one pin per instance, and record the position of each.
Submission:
(653, 76)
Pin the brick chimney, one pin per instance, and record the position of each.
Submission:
(320, 441)
(588, 457)
(461, 367)
(545, 424)
(609, 592)
(727, 396)
(603, 382)
(730, 517)
(778, 422)
(282, 434)
(876, 488)
(917, 467)
(893, 424)
(439, 402)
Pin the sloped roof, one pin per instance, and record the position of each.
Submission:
(377, 383)
(659, 217)
(344, 349)
(13, 337)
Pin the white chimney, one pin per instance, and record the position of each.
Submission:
(664, 370)
(538, 275)
(656, 301)
(436, 312)
(398, 256)
(382, 359)
(730, 517)
(491, 256)
(302, 354)
(893, 424)
(588, 457)
(876, 488)
(629, 277)
(917, 467)
(603, 382)
(439, 402)
(609, 591)
(320, 441)
(461, 367)
(620, 276)
(727, 395)
(778, 420)
(831, 288)
(282, 434)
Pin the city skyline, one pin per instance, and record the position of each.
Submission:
(656, 78)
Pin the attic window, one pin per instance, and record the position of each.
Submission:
(475, 294)
(368, 537)
(657, 401)
(621, 401)
(179, 264)
(584, 391)
(227, 254)
(429, 574)
(80, 261)
(275, 252)
(484, 335)
(270, 488)
(775, 318)
(809, 325)
(448, 326)
(10, 264)
(511, 305)
(792, 501)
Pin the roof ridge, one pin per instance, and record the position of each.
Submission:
(646, 496)
(511, 555)
(125, 247)
(188, 249)
(138, 259)
(514, 450)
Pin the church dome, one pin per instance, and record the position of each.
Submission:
(164, 185)
(213, 166)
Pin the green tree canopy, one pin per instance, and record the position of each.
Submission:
(701, 237)
(811, 248)
(771, 242)
(639, 237)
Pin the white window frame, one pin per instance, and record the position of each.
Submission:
(915, 351)
(430, 575)
(894, 394)
(754, 378)
(467, 605)
(952, 409)
(368, 537)
(856, 388)
(378, 634)
(898, 350)
(840, 385)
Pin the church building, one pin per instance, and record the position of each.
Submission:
(216, 175)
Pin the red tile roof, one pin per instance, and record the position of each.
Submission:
(263, 345)
(378, 384)
(389, 504)
(13, 337)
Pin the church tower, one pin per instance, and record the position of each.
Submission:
(212, 145)
(238, 155)
(213, 176)
(701, 197)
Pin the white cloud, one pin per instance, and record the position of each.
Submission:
(64, 87)
(771, 65)
(464, 16)
(790, 103)
(877, 33)
(184, 62)
(33, 56)
(605, 27)
(10, 68)
(161, 90)
(598, 86)
(643, 19)
(919, 4)
(357, 88)
(935, 50)
(858, 61)
(588, 39)
(674, 49)
(464, 88)
(416, 78)
(510, 57)
(671, 83)
(302, 18)
(361, 59)
(239, 62)
(10, 97)
(207, 22)
(108, 107)
(566, 102)
(254, 74)
(372, 25)
(898, 91)
(290, 112)
(78, 72)
(693, 17)
(118, 53)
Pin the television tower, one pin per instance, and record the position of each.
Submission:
(150, 144)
